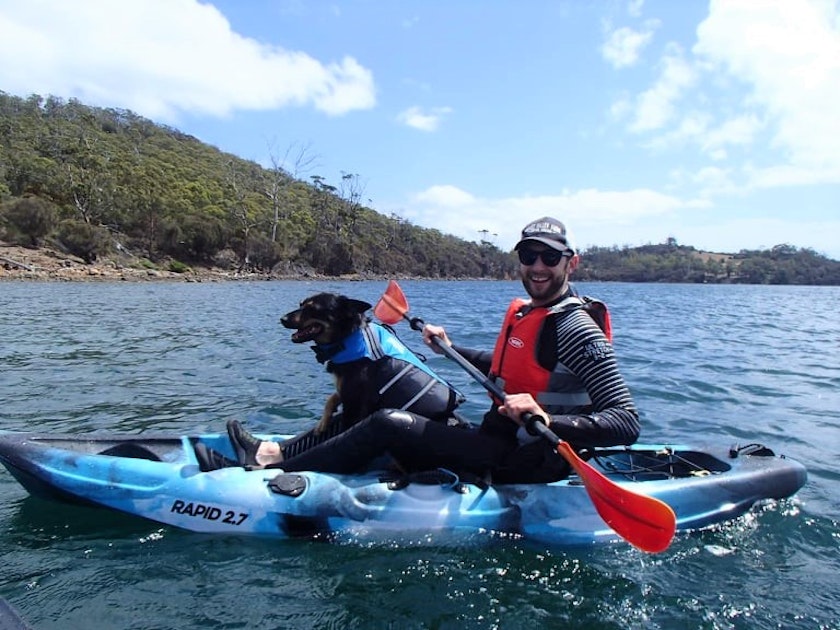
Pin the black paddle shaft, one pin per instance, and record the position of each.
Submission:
(533, 424)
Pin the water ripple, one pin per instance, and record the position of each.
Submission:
(706, 364)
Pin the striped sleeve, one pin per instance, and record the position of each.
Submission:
(613, 419)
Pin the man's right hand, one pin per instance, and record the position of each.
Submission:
(430, 332)
(518, 404)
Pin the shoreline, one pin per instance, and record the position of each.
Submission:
(49, 265)
(45, 264)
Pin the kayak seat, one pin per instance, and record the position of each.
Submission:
(438, 477)
(130, 450)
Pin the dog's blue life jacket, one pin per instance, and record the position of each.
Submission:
(374, 342)
(399, 383)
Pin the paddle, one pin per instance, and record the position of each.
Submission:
(645, 522)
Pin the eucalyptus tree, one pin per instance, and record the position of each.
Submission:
(244, 203)
(296, 162)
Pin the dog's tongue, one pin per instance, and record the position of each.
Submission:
(307, 333)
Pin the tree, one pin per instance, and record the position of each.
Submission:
(350, 192)
(84, 160)
(243, 206)
(28, 220)
(279, 179)
(82, 239)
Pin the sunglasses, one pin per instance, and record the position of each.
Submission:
(550, 257)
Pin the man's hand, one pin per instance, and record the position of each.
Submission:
(430, 331)
(518, 404)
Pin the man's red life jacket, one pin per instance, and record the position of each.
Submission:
(515, 366)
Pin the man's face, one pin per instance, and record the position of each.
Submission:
(545, 271)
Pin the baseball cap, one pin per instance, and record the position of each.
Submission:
(549, 232)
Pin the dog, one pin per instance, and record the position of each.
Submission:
(327, 319)
(373, 370)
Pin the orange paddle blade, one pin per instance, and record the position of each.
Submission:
(645, 522)
(392, 306)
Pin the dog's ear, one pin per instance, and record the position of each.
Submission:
(358, 306)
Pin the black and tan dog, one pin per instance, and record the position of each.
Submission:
(328, 319)
(373, 371)
(372, 368)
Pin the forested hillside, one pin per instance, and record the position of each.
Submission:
(670, 262)
(91, 181)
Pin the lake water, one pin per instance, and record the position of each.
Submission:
(707, 364)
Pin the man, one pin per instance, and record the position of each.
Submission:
(553, 361)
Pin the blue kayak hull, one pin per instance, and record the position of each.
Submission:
(158, 478)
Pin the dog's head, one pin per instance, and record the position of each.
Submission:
(325, 318)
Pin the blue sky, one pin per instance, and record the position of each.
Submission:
(713, 122)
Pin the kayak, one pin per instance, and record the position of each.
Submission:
(157, 477)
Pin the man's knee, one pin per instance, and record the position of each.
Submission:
(394, 420)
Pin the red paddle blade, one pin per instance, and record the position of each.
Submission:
(392, 306)
(645, 522)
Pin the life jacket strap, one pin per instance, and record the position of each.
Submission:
(396, 378)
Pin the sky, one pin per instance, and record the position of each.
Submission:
(716, 123)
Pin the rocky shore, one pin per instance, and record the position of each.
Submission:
(44, 264)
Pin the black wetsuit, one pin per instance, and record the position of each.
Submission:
(418, 443)
(376, 371)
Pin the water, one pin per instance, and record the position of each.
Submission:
(707, 364)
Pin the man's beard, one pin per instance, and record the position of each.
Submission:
(544, 291)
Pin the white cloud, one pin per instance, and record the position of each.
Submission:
(424, 120)
(628, 217)
(624, 45)
(697, 127)
(692, 128)
(445, 196)
(591, 213)
(621, 108)
(634, 7)
(740, 131)
(788, 54)
(762, 84)
(163, 57)
(657, 107)
(713, 180)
